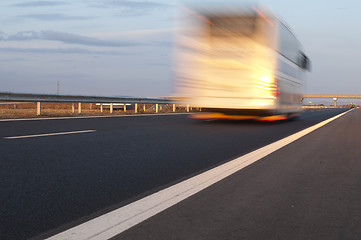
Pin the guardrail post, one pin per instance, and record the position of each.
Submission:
(125, 107)
(173, 107)
(156, 108)
(101, 107)
(79, 107)
(143, 107)
(136, 108)
(187, 107)
(38, 108)
(111, 107)
(72, 108)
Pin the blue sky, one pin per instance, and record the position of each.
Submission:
(116, 47)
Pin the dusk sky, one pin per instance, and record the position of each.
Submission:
(115, 47)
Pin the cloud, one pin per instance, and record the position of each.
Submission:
(14, 60)
(21, 36)
(70, 38)
(131, 8)
(132, 13)
(134, 4)
(83, 40)
(39, 4)
(61, 51)
(56, 17)
(2, 36)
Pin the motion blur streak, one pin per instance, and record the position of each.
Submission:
(273, 118)
(263, 16)
(198, 16)
(238, 61)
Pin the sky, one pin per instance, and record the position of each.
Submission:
(124, 47)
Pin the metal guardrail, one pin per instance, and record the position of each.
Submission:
(39, 98)
(27, 97)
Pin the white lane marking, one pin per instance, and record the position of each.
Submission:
(119, 220)
(83, 117)
(50, 134)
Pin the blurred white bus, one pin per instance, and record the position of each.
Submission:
(239, 63)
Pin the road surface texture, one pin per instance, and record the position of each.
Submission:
(51, 183)
(310, 189)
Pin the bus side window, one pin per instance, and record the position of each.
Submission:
(306, 63)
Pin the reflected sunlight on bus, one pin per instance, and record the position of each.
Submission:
(239, 61)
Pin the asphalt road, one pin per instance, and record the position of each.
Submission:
(310, 189)
(50, 183)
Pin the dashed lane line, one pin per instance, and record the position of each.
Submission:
(50, 134)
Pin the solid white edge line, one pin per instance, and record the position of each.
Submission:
(50, 134)
(85, 117)
(119, 220)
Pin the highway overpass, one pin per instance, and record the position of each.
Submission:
(335, 97)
